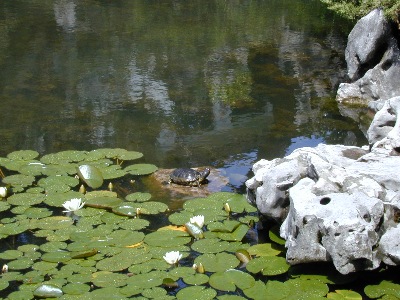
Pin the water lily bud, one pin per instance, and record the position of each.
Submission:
(138, 210)
(200, 268)
(110, 186)
(227, 207)
(3, 191)
(4, 269)
(82, 189)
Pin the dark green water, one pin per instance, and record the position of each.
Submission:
(188, 83)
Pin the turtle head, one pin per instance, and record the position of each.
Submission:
(203, 173)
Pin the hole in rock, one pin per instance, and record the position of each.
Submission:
(325, 200)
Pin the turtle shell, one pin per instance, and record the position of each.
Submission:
(187, 176)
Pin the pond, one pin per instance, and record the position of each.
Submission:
(188, 84)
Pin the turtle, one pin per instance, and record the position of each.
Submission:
(188, 176)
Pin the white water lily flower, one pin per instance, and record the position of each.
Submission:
(3, 191)
(73, 205)
(198, 220)
(172, 257)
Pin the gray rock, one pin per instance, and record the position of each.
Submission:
(366, 42)
(373, 64)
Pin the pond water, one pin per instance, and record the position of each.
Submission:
(187, 83)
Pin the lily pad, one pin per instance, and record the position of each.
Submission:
(145, 208)
(58, 256)
(219, 262)
(25, 199)
(210, 245)
(47, 291)
(272, 290)
(91, 175)
(230, 280)
(167, 238)
(344, 295)
(23, 155)
(383, 288)
(196, 292)
(76, 288)
(141, 169)
(265, 249)
(268, 265)
(64, 157)
(54, 222)
(19, 180)
(138, 197)
(109, 279)
(103, 202)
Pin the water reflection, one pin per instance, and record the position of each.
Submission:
(187, 83)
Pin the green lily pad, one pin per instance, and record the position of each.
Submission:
(76, 288)
(13, 228)
(226, 226)
(219, 262)
(138, 197)
(230, 280)
(147, 280)
(268, 265)
(58, 256)
(266, 249)
(11, 254)
(344, 295)
(109, 279)
(305, 289)
(112, 172)
(91, 175)
(141, 169)
(196, 292)
(274, 290)
(103, 202)
(58, 184)
(37, 212)
(239, 204)
(57, 199)
(167, 238)
(134, 224)
(23, 155)
(383, 288)
(146, 208)
(274, 235)
(47, 291)
(3, 284)
(64, 157)
(19, 180)
(54, 222)
(25, 199)
(22, 263)
(154, 293)
(196, 279)
(4, 206)
(210, 245)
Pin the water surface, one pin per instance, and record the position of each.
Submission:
(188, 83)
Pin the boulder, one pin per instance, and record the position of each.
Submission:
(373, 64)
(337, 203)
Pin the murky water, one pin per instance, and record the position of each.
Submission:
(188, 83)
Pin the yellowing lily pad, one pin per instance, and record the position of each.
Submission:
(344, 295)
